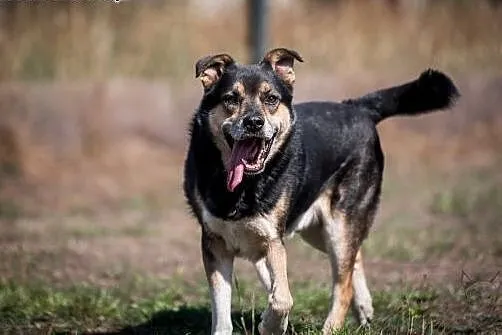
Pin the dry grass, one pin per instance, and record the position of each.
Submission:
(66, 41)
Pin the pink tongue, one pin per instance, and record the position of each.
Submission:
(242, 150)
(234, 177)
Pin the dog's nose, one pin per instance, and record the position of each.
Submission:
(253, 122)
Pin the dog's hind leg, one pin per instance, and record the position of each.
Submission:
(264, 274)
(342, 253)
(275, 318)
(361, 301)
(218, 264)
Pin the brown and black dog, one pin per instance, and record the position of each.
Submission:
(260, 169)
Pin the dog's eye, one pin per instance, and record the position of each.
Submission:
(231, 100)
(271, 100)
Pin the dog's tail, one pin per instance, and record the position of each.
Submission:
(433, 90)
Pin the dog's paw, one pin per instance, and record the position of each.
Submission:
(264, 331)
(272, 324)
(223, 332)
(261, 329)
(364, 313)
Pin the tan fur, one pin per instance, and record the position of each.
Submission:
(210, 69)
(329, 231)
(264, 274)
(262, 265)
(359, 260)
(239, 88)
(218, 265)
(216, 118)
(341, 248)
(287, 74)
(282, 120)
(217, 247)
(281, 60)
(280, 211)
(309, 224)
(280, 299)
(250, 237)
(361, 302)
(343, 292)
(208, 77)
(342, 252)
(264, 87)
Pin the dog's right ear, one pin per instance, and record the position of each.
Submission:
(210, 69)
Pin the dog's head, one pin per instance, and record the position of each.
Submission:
(249, 109)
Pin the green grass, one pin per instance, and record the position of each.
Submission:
(173, 307)
(474, 204)
(454, 217)
(82, 307)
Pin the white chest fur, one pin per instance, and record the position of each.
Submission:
(247, 237)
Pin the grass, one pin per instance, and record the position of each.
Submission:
(474, 203)
(146, 306)
(173, 307)
(410, 243)
(183, 309)
(454, 215)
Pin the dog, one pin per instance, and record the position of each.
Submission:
(260, 168)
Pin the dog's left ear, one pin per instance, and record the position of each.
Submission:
(281, 61)
(210, 69)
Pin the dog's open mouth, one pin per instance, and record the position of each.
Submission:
(248, 156)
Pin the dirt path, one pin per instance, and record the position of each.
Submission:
(104, 248)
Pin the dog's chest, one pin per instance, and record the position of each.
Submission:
(247, 237)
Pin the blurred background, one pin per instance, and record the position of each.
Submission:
(95, 100)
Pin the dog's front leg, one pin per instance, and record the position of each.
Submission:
(275, 318)
(218, 263)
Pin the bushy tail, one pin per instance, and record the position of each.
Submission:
(433, 90)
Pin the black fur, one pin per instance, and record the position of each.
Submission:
(330, 144)
(433, 90)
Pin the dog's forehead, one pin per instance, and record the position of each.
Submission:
(251, 80)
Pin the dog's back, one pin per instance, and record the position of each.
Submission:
(337, 136)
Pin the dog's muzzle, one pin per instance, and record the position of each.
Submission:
(250, 141)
